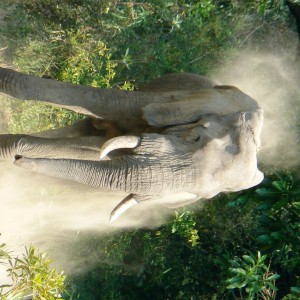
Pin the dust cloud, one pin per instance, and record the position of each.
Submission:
(273, 80)
(56, 215)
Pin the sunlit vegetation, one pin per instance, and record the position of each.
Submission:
(31, 275)
(237, 246)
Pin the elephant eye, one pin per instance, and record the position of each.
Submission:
(195, 134)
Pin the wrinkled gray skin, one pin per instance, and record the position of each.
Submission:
(180, 137)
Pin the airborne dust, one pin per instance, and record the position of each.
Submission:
(273, 80)
(53, 213)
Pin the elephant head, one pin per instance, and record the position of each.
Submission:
(180, 138)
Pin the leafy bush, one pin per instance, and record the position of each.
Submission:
(28, 117)
(277, 216)
(254, 275)
(31, 275)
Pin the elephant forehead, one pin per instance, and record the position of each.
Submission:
(224, 165)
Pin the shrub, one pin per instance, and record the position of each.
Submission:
(31, 275)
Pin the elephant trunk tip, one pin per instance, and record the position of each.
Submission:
(18, 157)
(26, 163)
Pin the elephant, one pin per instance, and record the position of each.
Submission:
(179, 138)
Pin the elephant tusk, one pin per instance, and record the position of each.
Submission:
(120, 142)
(124, 205)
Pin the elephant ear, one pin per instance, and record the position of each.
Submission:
(178, 82)
(191, 106)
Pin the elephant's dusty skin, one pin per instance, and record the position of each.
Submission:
(181, 137)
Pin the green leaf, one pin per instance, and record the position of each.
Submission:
(280, 185)
(233, 280)
(266, 193)
(239, 201)
(280, 204)
(272, 286)
(295, 290)
(237, 271)
(258, 254)
(296, 192)
(236, 285)
(264, 239)
(296, 205)
(232, 204)
(264, 206)
(167, 271)
(272, 277)
(261, 259)
(265, 220)
(234, 263)
(248, 259)
(277, 235)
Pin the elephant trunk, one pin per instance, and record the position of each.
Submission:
(120, 174)
(9, 145)
(86, 148)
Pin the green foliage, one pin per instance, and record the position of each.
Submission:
(32, 275)
(88, 61)
(28, 117)
(277, 222)
(294, 295)
(253, 275)
(146, 264)
(40, 56)
(3, 253)
(184, 226)
(181, 259)
(279, 212)
(135, 40)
